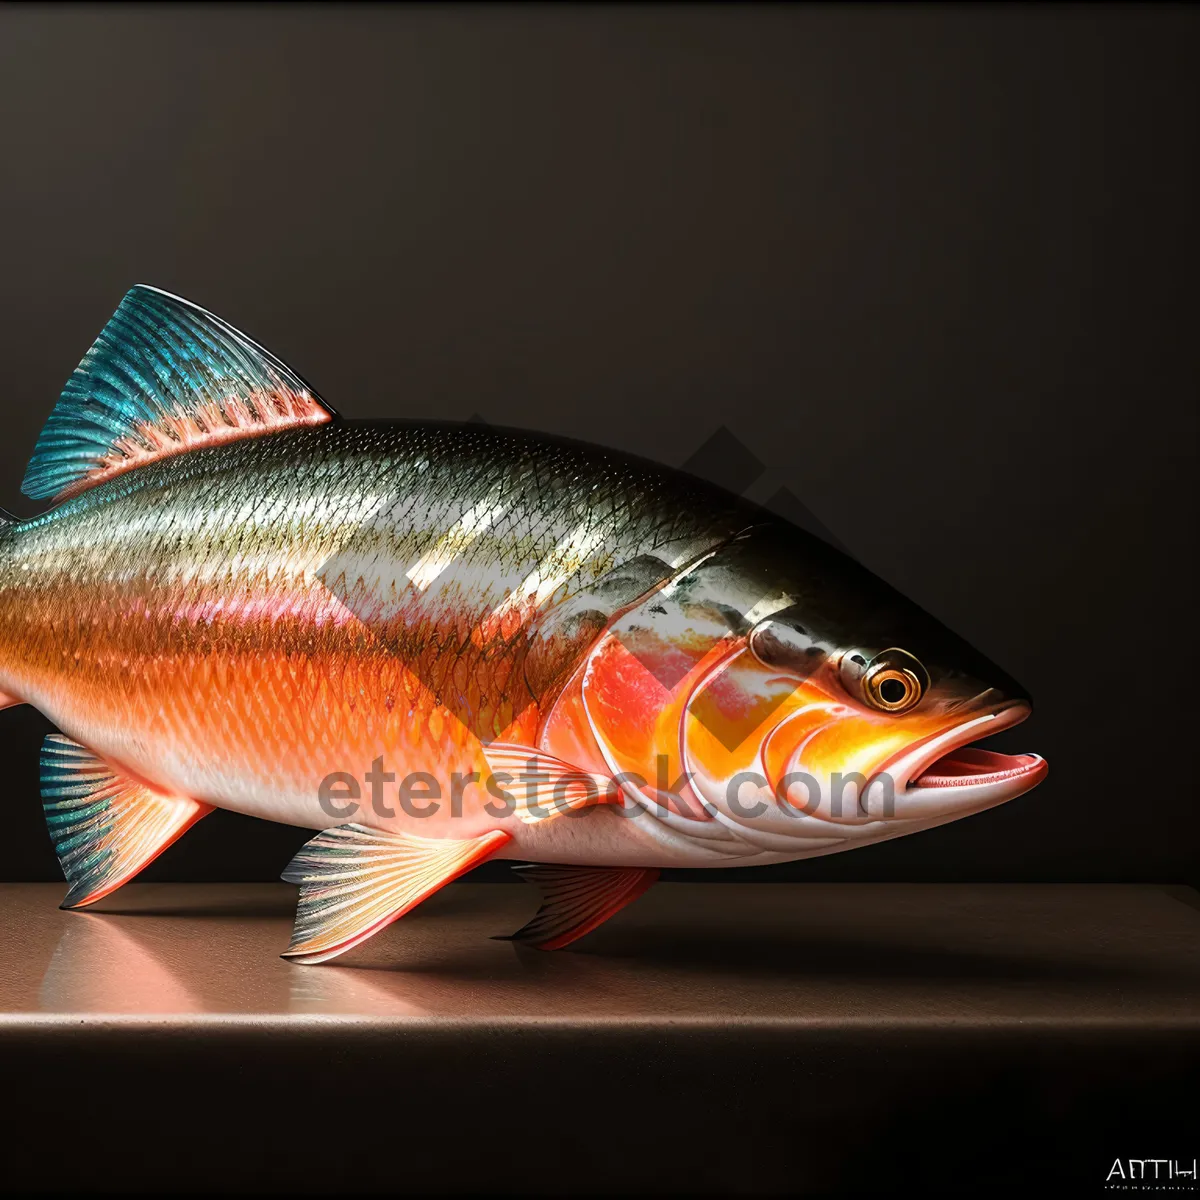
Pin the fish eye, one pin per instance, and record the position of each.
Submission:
(893, 681)
(892, 690)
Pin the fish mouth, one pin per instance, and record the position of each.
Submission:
(945, 773)
(974, 766)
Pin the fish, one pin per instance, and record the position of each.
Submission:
(433, 644)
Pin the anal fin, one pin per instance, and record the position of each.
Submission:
(355, 880)
(105, 826)
(575, 900)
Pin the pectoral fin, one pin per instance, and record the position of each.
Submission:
(355, 880)
(105, 826)
(575, 900)
(542, 786)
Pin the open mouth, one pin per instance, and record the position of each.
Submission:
(970, 765)
(947, 761)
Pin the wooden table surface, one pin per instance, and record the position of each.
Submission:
(712, 1037)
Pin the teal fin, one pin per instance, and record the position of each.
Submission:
(105, 826)
(163, 377)
(355, 880)
(575, 900)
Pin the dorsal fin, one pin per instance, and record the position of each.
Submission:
(163, 377)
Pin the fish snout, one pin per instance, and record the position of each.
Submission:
(945, 774)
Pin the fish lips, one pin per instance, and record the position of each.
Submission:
(943, 774)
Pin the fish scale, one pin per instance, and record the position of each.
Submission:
(185, 558)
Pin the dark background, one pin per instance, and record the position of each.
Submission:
(936, 269)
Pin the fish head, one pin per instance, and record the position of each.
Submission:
(848, 706)
(812, 706)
